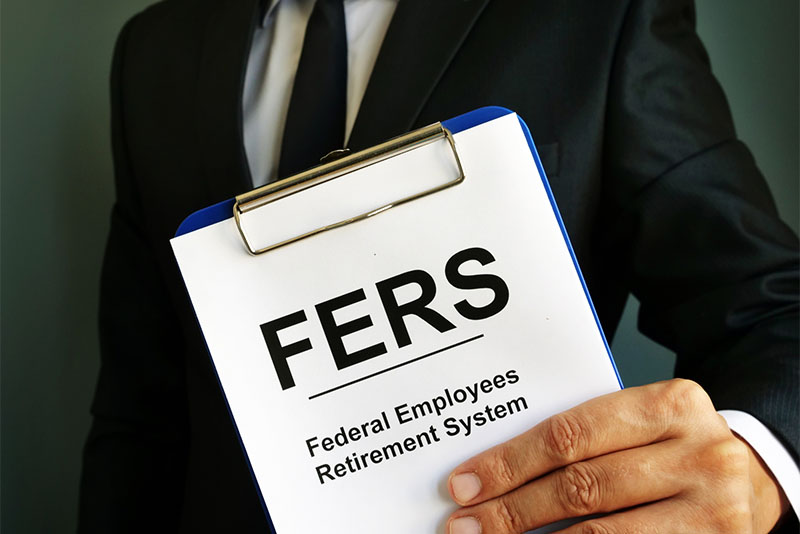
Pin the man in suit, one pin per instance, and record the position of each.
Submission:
(657, 194)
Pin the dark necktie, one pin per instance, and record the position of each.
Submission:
(316, 120)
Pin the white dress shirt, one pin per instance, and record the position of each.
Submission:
(271, 68)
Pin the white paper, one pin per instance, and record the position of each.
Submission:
(546, 334)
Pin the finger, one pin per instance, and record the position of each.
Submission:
(625, 419)
(603, 484)
(672, 516)
(720, 505)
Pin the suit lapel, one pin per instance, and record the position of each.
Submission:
(226, 47)
(416, 51)
(422, 39)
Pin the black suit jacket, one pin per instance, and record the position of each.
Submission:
(658, 196)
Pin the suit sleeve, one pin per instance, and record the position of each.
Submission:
(705, 252)
(134, 458)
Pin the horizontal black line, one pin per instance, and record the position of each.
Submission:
(418, 358)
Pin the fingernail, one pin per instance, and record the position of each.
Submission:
(465, 525)
(466, 487)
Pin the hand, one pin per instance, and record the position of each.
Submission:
(658, 455)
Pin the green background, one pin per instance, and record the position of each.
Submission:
(56, 192)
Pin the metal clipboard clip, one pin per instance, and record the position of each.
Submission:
(321, 174)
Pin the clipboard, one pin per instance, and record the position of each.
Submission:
(237, 233)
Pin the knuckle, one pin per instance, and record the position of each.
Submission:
(593, 527)
(727, 457)
(580, 489)
(502, 467)
(694, 393)
(742, 517)
(737, 456)
(718, 426)
(736, 517)
(564, 437)
(680, 397)
(506, 516)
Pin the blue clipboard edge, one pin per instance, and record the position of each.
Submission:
(486, 114)
(557, 213)
(224, 210)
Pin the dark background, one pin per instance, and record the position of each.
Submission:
(56, 192)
